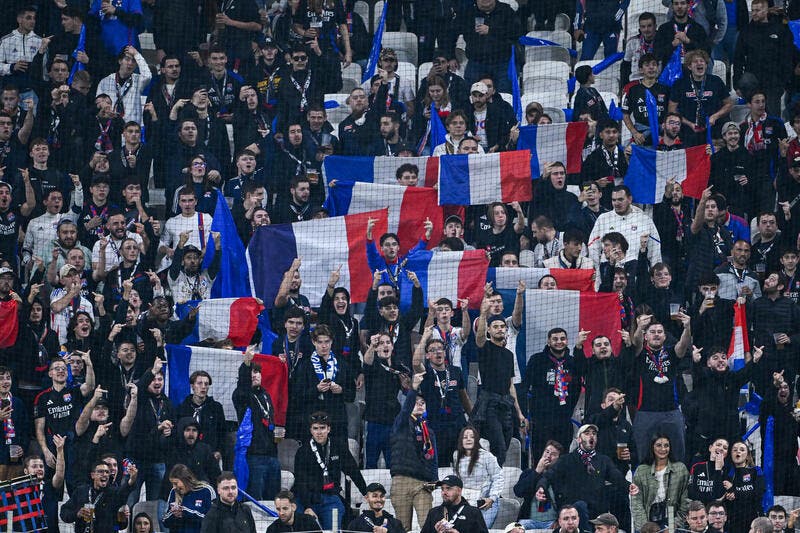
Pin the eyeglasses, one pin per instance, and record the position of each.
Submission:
(198, 164)
(300, 58)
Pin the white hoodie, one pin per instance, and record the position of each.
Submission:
(632, 226)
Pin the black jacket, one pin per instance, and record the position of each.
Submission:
(262, 412)
(366, 520)
(408, 458)
(468, 519)
(302, 522)
(406, 321)
(662, 44)
(555, 204)
(600, 374)
(613, 430)
(308, 478)
(572, 482)
(105, 511)
(526, 488)
(545, 406)
(765, 50)
(212, 421)
(742, 199)
(498, 123)
(236, 518)
(149, 445)
(198, 457)
(495, 46)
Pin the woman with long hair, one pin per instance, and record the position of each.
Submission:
(744, 488)
(663, 482)
(482, 475)
(501, 235)
(707, 473)
(438, 96)
(188, 501)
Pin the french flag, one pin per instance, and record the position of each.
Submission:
(485, 178)
(649, 170)
(554, 142)
(507, 278)
(597, 312)
(739, 341)
(408, 207)
(223, 318)
(322, 245)
(451, 275)
(223, 366)
(378, 169)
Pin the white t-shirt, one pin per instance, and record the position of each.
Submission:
(456, 342)
(480, 129)
(59, 322)
(177, 225)
(113, 250)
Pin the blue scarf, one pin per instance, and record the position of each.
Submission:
(331, 364)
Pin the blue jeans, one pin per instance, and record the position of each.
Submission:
(377, 442)
(151, 475)
(591, 43)
(324, 510)
(499, 72)
(490, 514)
(534, 524)
(265, 476)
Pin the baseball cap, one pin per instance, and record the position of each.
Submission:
(268, 42)
(453, 218)
(7, 184)
(191, 248)
(479, 87)
(587, 427)
(512, 525)
(728, 126)
(6, 270)
(451, 481)
(375, 487)
(494, 318)
(605, 519)
(101, 402)
(64, 271)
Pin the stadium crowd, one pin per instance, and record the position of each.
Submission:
(229, 101)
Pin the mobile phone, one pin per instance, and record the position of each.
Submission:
(5, 403)
(326, 380)
(480, 502)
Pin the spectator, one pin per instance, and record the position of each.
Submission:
(478, 469)
(125, 86)
(288, 517)
(638, 46)
(636, 114)
(95, 506)
(383, 382)
(375, 497)
(538, 510)
(659, 488)
(189, 501)
(745, 487)
(679, 31)
(227, 513)
(453, 508)
(598, 22)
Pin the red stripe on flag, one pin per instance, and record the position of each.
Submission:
(576, 137)
(275, 380)
(600, 315)
(356, 227)
(574, 279)
(431, 171)
(515, 176)
(472, 276)
(418, 204)
(243, 320)
(698, 169)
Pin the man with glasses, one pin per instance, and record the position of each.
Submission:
(301, 87)
(93, 506)
(716, 517)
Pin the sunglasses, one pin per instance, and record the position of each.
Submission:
(300, 58)
(319, 418)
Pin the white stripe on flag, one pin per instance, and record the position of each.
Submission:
(551, 144)
(736, 359)
(509, 278)
(384, 168)
(322, 246)
(484, 178)
(443, 276)
(668, 165)
(369, 196)
(223, 365)
(214, 318)
(545, 310)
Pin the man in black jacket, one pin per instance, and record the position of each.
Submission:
(189, 451)
(206, 411)
(93, 507)
(455, 513)
(319, 465)
(288, 517)
(732, 175)
(538, 506)
(579, 478)
(262, 455)
(488, 119)
(227, 515)
(375, 518)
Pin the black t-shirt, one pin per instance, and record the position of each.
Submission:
(496, 365)
(707, 94)
(9, 232)
(441, 390)
(497, 243)
(382, 384)
(634, 102)
(60, 409)
(657, 371)
(326, 22)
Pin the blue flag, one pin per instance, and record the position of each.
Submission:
(652, 115)
(533, 41)
(708, 135)
(768, 464)
(673, 69)
(80, 48)
(244, 437)
(614, 112)
(438, 130)
(794, 27)
(514, 78)
(232, 280)
(375, 52)
(607, 62)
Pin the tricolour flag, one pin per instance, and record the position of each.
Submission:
(554, 142)
(378, 169)
(578, 279)
(597, 312)
(485, 178)
(223, 366)
(739, 341)
(222, 318)
(232, 279)
(408, 207)
(322, 245)
(451, 275)
(649, 171)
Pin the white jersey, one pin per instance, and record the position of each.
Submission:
(198, 225)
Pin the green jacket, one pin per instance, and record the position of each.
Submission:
(677, 477)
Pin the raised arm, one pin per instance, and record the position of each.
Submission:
(519, 305)
(282, 298)
(88, 385)
(130, 412)
(685, 342)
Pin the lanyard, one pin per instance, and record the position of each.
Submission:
(442, 386)
(322, 464)
(122, 92)
(456, 516)
(201, 230)
(303, 90)
(157, 412)
(612, 160)
(699, 95)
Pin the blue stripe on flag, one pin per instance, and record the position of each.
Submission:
(181, 310)
(375, 51)
(641, 175)
(652, 115)
(178, 359)
(349, 168)
(454, 180)
(527, 141)
(338, 201)
(418, 264)
(272, 250)
(233, 278)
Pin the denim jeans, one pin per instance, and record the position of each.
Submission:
(377, 442)
(265, 476)
(151, 475)
(591, 43)
(490, 514)
(324, 510)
